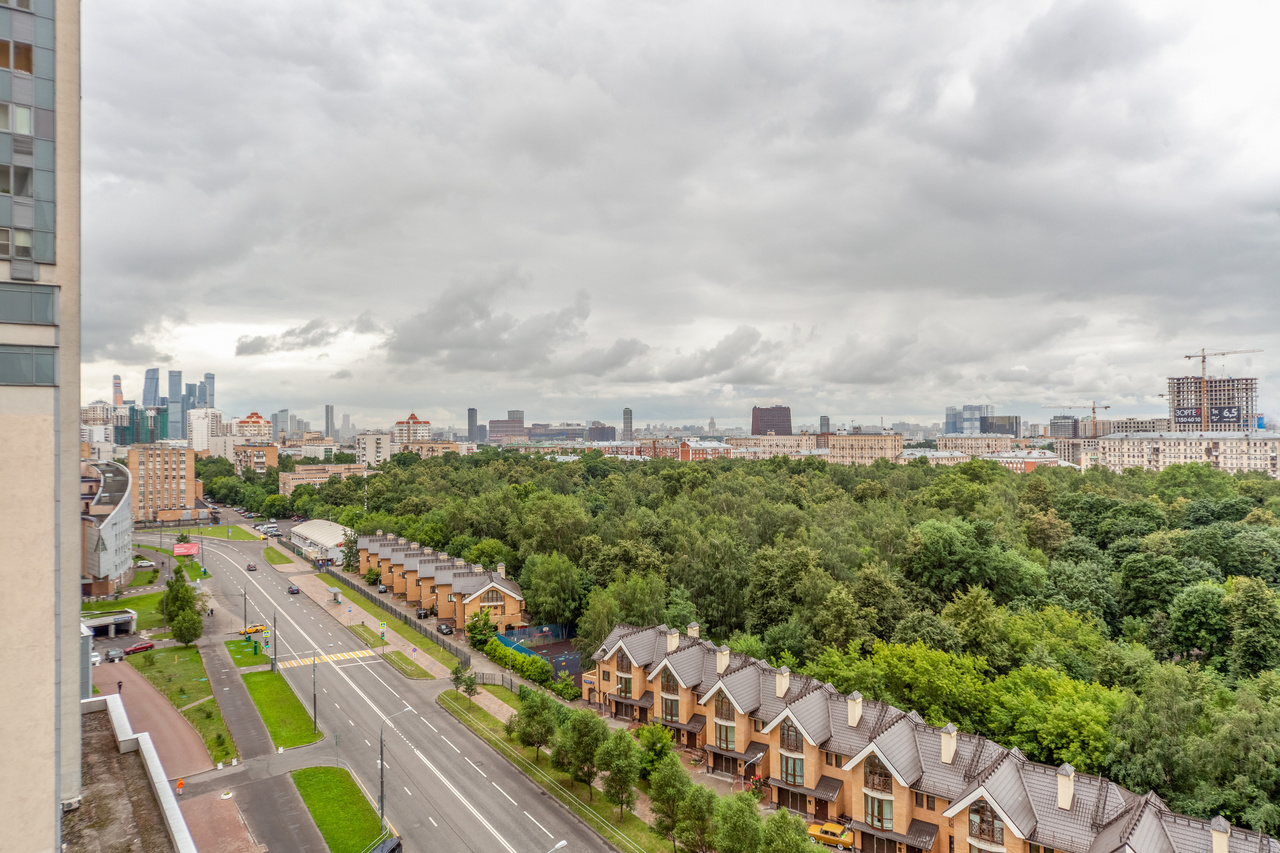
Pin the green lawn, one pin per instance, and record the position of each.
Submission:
(154, 548)
(423, 644)
(238, 534)
(162, 635)
(179, 674)
(600, 814)
(145, 605)
(340, 809)
(287, 721)
(144, 577)
(242, 653)
(503, 693)
(275, 558)
(193, 569)
(405, 664)
(372, 638)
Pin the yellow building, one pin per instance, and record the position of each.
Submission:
(862, 449)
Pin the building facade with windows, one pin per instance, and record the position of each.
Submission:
(863, 449)
(771, 419)
(976, 444)
(316, 475)
(1233, 452)
(1212, 404)
(902, 785)
(374, 448)
(39, 413)
(165, 488)
(107, 526)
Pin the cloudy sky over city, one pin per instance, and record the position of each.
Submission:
(859, 209)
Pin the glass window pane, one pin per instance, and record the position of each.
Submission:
(15, 366)
(44, 185)
(6, 185)
(46, 367)
(15, 305)
(23, 181)
(22, 57)
(4, 116)
(44, 306)
(42, 247)
(22, 244)
(4, 242)
(22, 120)
(4, 54)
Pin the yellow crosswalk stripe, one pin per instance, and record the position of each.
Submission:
(363, 653)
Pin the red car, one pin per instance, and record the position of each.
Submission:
(140, 647)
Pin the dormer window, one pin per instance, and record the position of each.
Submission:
(492, 597)
(624, 662)
(985, 824)
(669, 682)
(724, 708)
(876, 776)
(789, 737)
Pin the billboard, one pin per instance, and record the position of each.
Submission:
(1224, 414)
(186, 549)
(1187, 416)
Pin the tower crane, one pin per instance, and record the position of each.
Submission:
(1093, 405)
(1204, 357)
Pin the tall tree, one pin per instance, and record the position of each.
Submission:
(553, 589)
(187, 627)
(784, 833)
(536, 721)
(669, 783)
(695, 820)
(619, 758)
(739, 828)
(1255, 626)
(598, 619)
(580, 738)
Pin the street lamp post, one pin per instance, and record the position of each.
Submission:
(382, 770)
(559, 844)
(315, 709)
(275, 649)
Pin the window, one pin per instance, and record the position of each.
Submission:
(624, 662)
(930, 802)
(22, 58)
(757, 725)
(724, 708)
(25, 303)
(5, 244)
(23, 178)
(449, 597)
(492, 597)
(876, 776)
(22, 244)
(604, 675)
(22, 120)
(879, 812)
(984, 824)
(28, 365)
(670, 709)
(919, 800)
(624, 687)
(792, 770)
(789, 737)
(724, 737)
(1036, 848)
(669, 682)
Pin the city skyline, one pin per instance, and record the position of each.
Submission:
(993, 216)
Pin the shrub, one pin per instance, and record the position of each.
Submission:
(564, 687)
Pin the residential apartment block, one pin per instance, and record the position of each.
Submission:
(1212, 404)
(771, 419)
(933, 457)
(410, 429)
(429, 449)
(256, 454)
(902, 785)
(977, 444)
(165, 487)
(253, 426)
(316, 475)
(863, 449)
(1233, 452)
(1023, 461)
(450, 586)
(106, 526)
(374, 448)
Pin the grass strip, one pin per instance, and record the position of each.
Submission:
(340, 809)
(243, 655)
(238, 534)
(631, 836)
(503, 693)
(275, 558)
(422, 643)
(179, 674)
(406, 666)
(371, 637)
(146, 606)
(162, 635)
(144, 577)
(286, 720)
(193, 570)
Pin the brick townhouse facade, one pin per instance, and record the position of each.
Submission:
(904, 786)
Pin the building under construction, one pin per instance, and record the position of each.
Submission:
(1209, 404)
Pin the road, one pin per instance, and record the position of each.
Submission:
(446, 790)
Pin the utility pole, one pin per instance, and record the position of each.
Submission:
(315, 709)
(275, 650)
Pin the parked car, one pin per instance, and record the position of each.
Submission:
(382, 587)
(94, 658)
(423, 613)
(144, 646)
(252, 567)
(114, 655)
(832, 835)
(271, 521)
(444, 629)
(145, 564)
(252, 629)
(293, 589)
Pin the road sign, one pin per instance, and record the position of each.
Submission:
(382, 625)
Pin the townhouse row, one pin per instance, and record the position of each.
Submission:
(435, 581)
(902, 785)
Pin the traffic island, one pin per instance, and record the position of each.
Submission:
(339, 807)
(287, 722)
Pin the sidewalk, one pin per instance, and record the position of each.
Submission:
(180, 747)
(239, 712)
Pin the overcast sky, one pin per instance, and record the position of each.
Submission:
(859, 209)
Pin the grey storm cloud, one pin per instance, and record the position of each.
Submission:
(504, 206)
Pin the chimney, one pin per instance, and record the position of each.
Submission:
(402, 542)
(722, 660)
(1067, 788)
(783, 681)
(414, 545)
(379, 532)
(501, 569)
(458, 561)
(673, 640)
(949, 744)
(1221, 832)
(692, 630)
(854, 701)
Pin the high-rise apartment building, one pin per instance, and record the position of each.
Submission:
(279, 423)
(330, 422)
(254, 426)
(966, 420)
(165, 487)
(177, 417)
(771, 419)
(145, 425)
(412, 428)
(39, 418)
(202, 425)
(1002, 425)
(117, 393)
(1064, 426)
(473, 421)
(627, 434)
(824, 423)
(151, 387)
(1213, 404)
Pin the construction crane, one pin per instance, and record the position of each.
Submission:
(1204, 357)
(1093, 405)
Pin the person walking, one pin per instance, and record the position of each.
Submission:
(119, 686)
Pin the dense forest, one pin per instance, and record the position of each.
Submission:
(1126, 623)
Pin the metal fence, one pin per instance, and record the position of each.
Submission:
(540, 635)
(463, 656)
(499, 679)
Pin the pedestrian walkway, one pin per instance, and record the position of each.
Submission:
(238, 710)
(366, 653)
(216, 824)
(180, 747)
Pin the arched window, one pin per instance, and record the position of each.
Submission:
(669, 682)
(985, 824)
(492, 597)
(624, 662)
(724, 708)
(789, 737)
(876, 776)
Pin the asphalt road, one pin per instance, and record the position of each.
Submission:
(446, 790)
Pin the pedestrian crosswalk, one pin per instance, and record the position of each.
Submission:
(364, 653)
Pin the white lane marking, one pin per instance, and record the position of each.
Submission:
(433, 820)
(350, 723)
(433, 728)
(474, 812)
(407, 791)
(366, 742)
(446, 740)
(336, 705)
(473, 764)
(540, 826)
(504, 793)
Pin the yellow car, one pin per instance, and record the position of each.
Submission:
(832, 835)
(253, 629)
